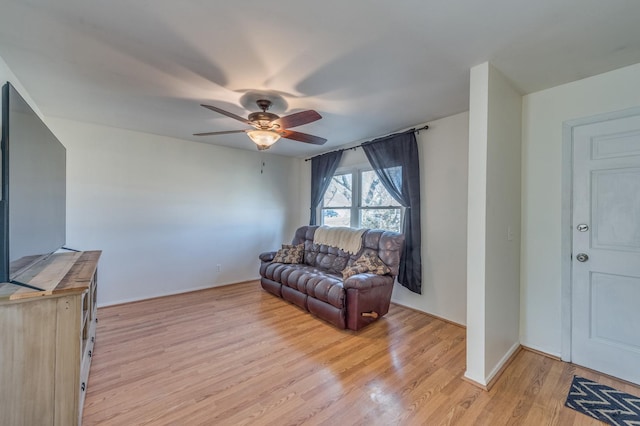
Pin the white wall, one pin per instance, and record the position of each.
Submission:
(7, 75)
(503, 221)
(493, 254)
(476, 222)
(165, 212)
(443, 181)
(443, 150)
(544, 113)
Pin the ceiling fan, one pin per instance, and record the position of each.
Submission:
(269, 127)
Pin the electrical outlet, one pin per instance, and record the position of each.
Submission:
(509, 233)
(218, 268)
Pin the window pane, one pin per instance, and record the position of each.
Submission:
(336, 217)
(339, 192)
(374, 194)
(389, 219)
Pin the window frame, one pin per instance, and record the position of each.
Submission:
(356, 207)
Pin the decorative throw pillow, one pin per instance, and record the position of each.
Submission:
(290, 254)
(368, 262)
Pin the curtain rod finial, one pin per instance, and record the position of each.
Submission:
(421, 128)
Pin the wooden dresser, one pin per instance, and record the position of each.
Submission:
(47, 341)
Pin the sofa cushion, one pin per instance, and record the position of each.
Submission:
(315, 282)
(290, 254)
(330, 258)
(368, 262)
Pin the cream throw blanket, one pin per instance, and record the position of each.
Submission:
(346, 239)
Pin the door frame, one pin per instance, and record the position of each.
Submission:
(567, 214)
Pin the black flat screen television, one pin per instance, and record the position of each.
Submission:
(33, 204)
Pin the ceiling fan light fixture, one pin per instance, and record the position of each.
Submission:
(263, 138)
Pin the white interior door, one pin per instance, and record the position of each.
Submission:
(605, 323)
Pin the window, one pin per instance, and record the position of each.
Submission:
(357, 198)
(337, 202)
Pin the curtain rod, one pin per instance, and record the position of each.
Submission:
(353, 148)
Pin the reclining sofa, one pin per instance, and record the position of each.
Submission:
(316, 284)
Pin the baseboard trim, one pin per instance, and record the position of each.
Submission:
(539, 352)
(430, 315)
(509, 359)
(495, 376)
(474, 383)
(174, 293)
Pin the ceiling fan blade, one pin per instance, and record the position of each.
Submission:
(227, 132)
(303, 137)
(227, 113)
(297, 119)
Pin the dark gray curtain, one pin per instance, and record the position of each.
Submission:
(322, 169)
(395, 160)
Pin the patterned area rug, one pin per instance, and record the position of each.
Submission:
(603, 403)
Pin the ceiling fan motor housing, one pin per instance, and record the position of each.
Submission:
(262, 118)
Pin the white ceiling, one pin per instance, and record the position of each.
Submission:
(369, 67)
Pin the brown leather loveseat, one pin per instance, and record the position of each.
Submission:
(316, 284)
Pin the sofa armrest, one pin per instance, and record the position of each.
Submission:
(367, 280)
(267, 256)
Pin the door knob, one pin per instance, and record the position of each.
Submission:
(582, 257)
(583, 227)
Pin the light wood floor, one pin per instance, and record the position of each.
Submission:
(237, 355)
